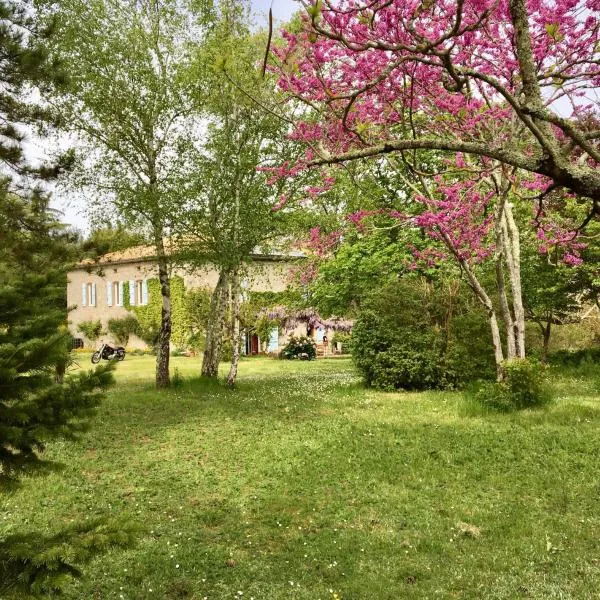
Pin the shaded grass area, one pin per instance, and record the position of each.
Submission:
(301, 484)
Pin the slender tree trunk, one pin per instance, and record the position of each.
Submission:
(493, 321)
(163, 349)
(513, 260)
(235, 359)
(500, 279)
(215, 327)
(546, 331)
(487, 304)
(235, 283)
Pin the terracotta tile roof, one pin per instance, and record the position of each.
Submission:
(146, 253)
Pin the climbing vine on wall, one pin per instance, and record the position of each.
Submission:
(126, 297)
(149, 315)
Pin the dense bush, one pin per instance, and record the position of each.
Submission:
(415, 334)
(122, 329)
(300, 347)
(523, 386)
(575, 358)
(91, 329)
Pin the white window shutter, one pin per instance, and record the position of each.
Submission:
(273, 344)
(109, 295)
(120, 298)
(145, 291)
(132, 292)
(93, 294)
(84, 294)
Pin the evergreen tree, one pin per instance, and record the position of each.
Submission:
(34, 407)
(36, 403)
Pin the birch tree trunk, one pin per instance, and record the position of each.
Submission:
(487, 304)
(235, 359)
(215, 327)
(235, 285)
(493, 320)
(513, 259)
(501, 251)
(164, 336)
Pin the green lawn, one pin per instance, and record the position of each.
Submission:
(301, 484)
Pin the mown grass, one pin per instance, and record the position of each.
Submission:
(301, 484)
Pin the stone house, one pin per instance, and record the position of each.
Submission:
(96, 290)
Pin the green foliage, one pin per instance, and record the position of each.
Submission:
(360, 266)
(109, 238)
(181, 328)
(232, 201)
(34, 260)
(524, 386)
(418, 334)
(43, 565)
(126, 295)
(405, 358)
(122, 329)
(149, 315)
(575, 358)
(38, 404)
(26, 66)
(197, 309)
(301, 347)
(91, 329)
(342, 337)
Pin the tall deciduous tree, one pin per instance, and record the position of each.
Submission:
(229, 211)
(128, 101)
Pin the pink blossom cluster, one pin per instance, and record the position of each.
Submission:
(462, 219)
(322, 243)
(553, 236)
(363, 65)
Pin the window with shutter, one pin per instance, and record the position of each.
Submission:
(109, 293)
(273, 345)
(92, 294)
(132, 293)
(120, 293)
(83, 294)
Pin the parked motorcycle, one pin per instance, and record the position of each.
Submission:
(108, 353)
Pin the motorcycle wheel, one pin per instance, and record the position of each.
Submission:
(121, 355)
(96, 358)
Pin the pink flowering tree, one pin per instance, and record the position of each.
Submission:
(505, 80)
(502, 86)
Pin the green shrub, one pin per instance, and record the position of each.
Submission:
(389, 360)
(575, 358)
(149, 332)
(179, 352)
(301, 347)
(91, 329)
(177, 379)
(122, 329)
(524, 386)
(410, 335)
